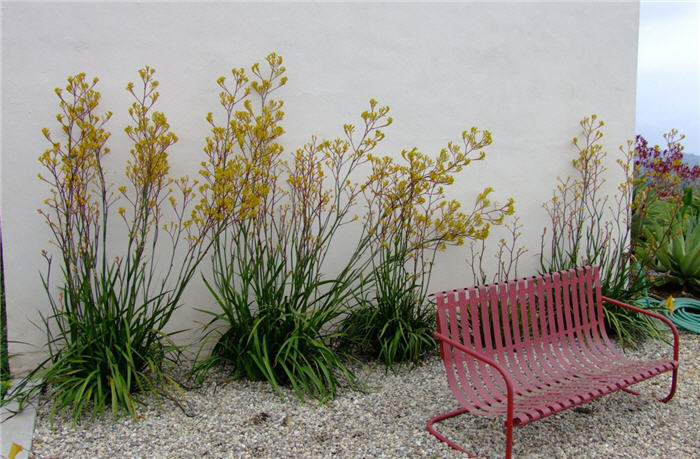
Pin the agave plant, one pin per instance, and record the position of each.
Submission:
(680, 258)
(667, 238)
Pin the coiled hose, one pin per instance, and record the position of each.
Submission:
(685, 312)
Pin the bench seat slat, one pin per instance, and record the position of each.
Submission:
(557, 396)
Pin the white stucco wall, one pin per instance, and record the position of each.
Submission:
(526, 71)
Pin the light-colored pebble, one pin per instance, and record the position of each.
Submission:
(249, 419)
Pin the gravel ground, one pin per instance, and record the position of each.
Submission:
(245, 419)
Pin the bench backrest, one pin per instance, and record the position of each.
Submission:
(500, 317)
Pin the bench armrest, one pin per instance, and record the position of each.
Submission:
(486, 360)
(651, 314)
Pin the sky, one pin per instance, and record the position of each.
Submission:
(668, 81)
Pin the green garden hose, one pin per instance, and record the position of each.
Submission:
(686, 312)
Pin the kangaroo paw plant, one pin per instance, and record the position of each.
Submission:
(588, 226)
(105, 332)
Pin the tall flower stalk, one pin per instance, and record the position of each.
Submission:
(588, 226)
(508, 255)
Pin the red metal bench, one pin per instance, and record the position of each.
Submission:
(532, 347)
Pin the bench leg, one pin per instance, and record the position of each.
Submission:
(440, 436)
(674, 377)
(453, 445)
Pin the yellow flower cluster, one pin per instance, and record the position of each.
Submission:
(321, 186)
(407, 200)
(76, 207)
(244, 181)
(243, 157)
(147, 167)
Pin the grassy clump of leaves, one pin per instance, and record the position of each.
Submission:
(270, 328)
(394, 326)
